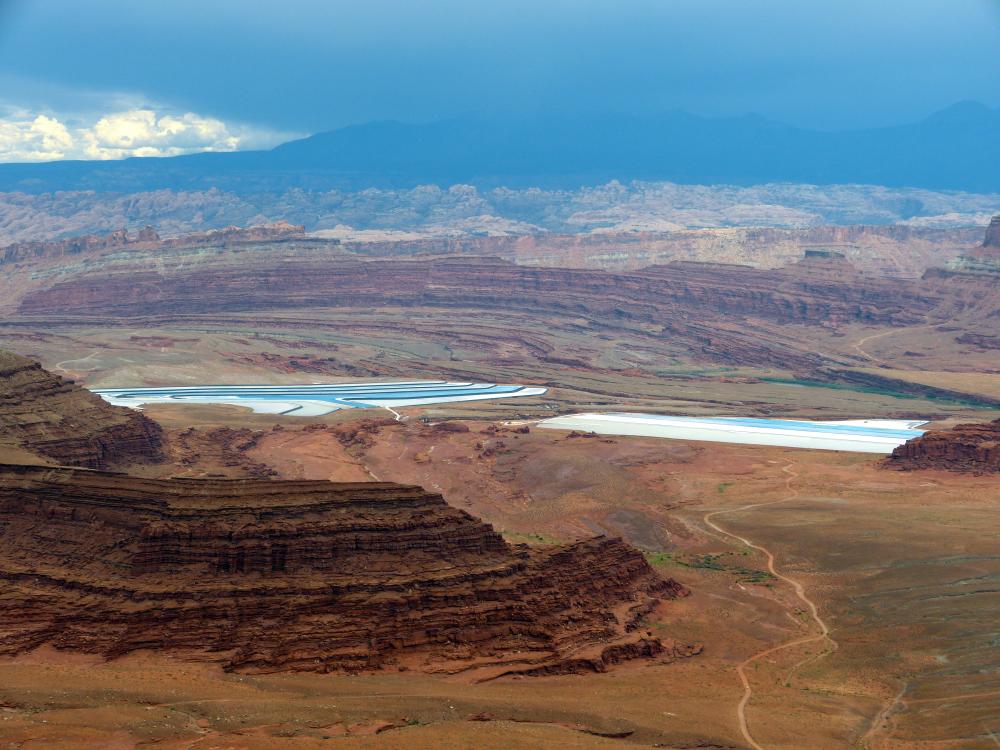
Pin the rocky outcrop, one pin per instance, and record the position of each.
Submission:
(970, 284)
(983, 260)
(967, 448)
(993, 233)
(52, 417)
(146, 239)
(306, 575)
(279, 230)
(889, 250)
(20, 252)
(224, 449)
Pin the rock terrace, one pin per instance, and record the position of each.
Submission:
(968, 448)
(52, 417)
(306, 575)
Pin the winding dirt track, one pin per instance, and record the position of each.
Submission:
(882, 717)
(857, 345)
(824, 630)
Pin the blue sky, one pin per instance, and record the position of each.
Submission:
(107, 78)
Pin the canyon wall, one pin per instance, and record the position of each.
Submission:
(816, 290)
(144, 239)
(892, 250)
(51, 417)
(306, 575)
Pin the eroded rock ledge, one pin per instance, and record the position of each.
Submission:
(52, 417)
(969, 448)
(306, 575)
(144, 239)
(817, 290)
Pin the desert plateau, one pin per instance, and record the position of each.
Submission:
(750, 591)
(492, 376)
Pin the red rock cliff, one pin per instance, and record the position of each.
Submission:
(816, 290)
(969, 448)
(52, 417)
(305, 575)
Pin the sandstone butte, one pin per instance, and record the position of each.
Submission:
(268, 576)
(970, 448)
(54, 418)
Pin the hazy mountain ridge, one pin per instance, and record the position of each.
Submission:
(954, 149)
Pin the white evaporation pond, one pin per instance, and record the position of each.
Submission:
(861, 436)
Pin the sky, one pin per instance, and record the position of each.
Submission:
(100, 79)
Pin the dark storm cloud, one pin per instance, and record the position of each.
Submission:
(302, 65)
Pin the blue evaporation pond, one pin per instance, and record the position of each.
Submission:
(339, 394)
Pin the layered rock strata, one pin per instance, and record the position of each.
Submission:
(970, 284)
(888, 250)
(968, 448)
(306, 575)
(701, 308)
(52, 417)
(818, 290)
(984, 259)
(145, 239)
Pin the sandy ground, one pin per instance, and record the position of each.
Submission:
(902, 566)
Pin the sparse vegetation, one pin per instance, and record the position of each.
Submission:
(716, 562)
(659, 558)
(520, 537)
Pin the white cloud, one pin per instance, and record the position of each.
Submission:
(37, 139)
(141, 131)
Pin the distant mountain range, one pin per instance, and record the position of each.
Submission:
(955, 149)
